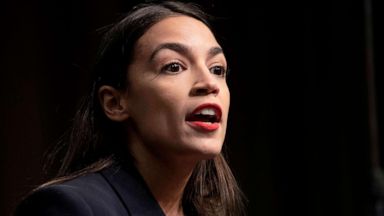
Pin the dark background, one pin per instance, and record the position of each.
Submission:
(306, 100)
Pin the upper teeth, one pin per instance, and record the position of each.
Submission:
(207, 111)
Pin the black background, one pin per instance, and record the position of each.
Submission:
(306, 100)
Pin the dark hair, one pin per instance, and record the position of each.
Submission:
(95, 142)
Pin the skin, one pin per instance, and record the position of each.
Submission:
(177, 66)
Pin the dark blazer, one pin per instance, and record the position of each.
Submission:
(114, 191)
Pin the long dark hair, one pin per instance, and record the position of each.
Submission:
(95, 142)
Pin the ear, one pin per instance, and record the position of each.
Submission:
(114, 103)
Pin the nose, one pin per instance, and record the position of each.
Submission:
(205, 83)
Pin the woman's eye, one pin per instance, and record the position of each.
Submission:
(173, 67)
(218, 70)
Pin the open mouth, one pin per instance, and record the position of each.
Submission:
(206, 117)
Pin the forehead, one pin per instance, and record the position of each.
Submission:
(180, 29)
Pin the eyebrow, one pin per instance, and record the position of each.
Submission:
(182, 49)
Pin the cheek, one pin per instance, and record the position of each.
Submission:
(157, 117)
(156, 102)
(225, 97)
(165, 92)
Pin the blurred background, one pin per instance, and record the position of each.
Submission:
(305, 125)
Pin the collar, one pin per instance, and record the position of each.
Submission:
(132, 190)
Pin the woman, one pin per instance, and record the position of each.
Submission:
(148, 139)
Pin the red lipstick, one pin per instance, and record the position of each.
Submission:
(206, 117)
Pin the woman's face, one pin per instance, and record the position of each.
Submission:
(177, 95)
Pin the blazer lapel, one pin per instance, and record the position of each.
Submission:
(132, 190)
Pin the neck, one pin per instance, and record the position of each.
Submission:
(165, 178)
(167, 186)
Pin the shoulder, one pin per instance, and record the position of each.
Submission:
(54, 200)
(115, 191)
(85, 195)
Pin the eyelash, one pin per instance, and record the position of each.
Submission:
(222, 72)
(169, 68)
